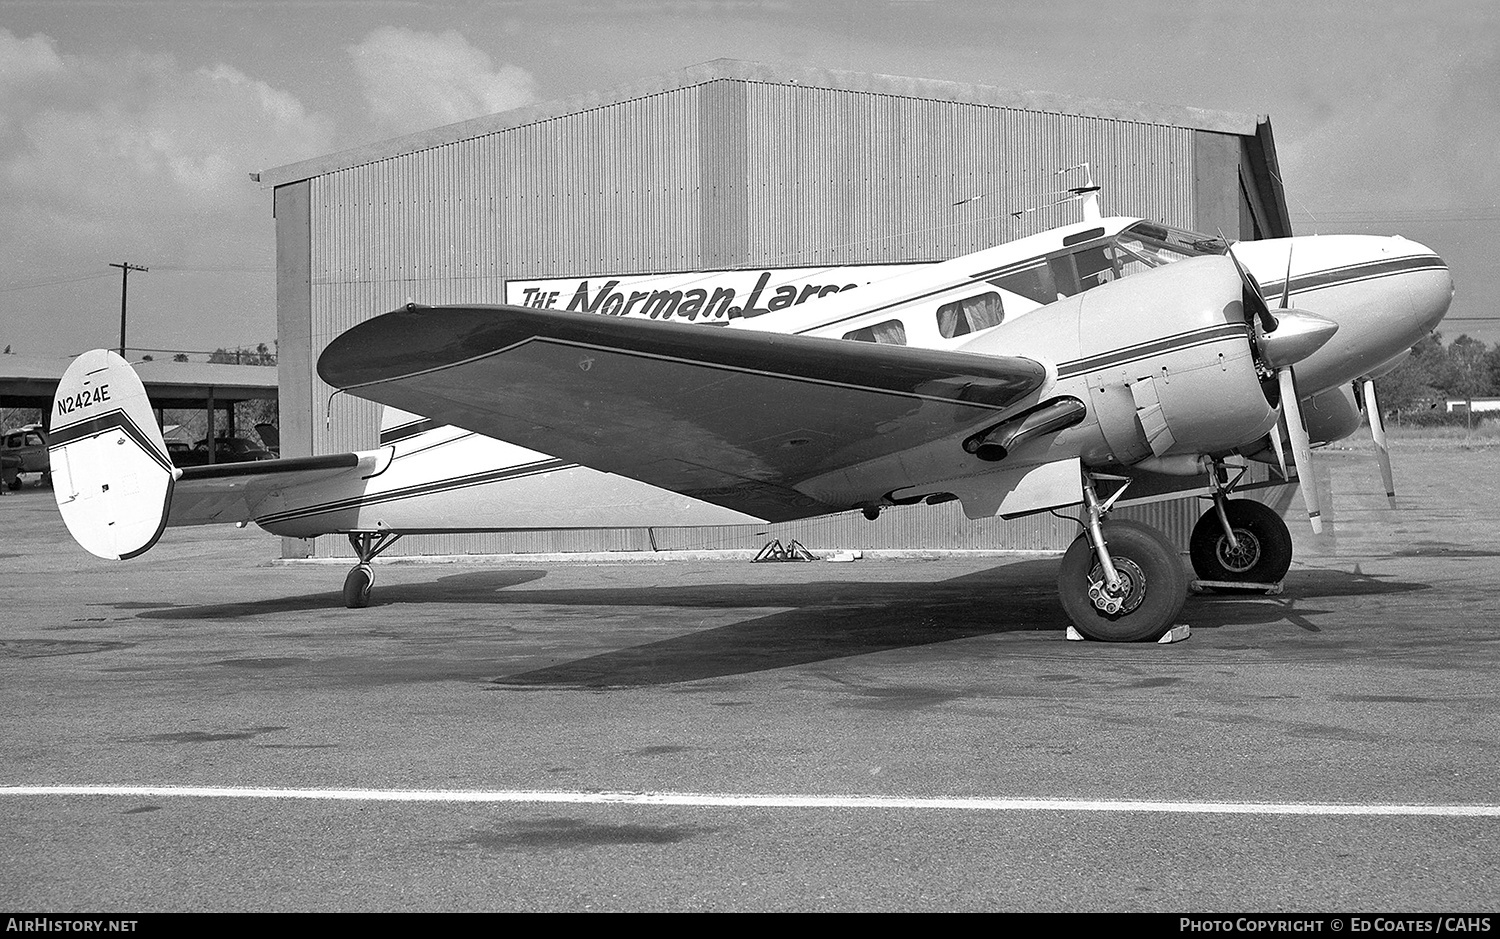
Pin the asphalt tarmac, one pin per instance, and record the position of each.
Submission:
(712, 735)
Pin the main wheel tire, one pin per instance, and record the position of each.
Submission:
(357, 587)
(1153, 584)
(1264, 553)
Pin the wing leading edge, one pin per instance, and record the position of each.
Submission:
(762, 423)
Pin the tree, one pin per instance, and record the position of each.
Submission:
(1407, 388)
(260, 355)
(1468, 360)
(180, 357)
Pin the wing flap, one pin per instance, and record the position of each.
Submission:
(735, 417)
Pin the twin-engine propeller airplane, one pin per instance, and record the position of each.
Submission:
(1024, 378)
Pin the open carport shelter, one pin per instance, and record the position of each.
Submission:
(30, 381)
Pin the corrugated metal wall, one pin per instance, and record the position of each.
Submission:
(728, 173)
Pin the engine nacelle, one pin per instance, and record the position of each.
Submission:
(1331, 415)
(1161, 359)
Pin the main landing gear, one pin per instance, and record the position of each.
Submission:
(367, 545)
(1120, 581)
(1123, 581)
(1239, 541)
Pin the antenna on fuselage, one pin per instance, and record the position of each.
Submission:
(1088, 193)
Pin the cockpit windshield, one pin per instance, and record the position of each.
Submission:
(1145, 245)
(1092, 259)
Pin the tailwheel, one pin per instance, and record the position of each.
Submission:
(1151, 584)
(357, 586)
(1261, 551)
(366, 544)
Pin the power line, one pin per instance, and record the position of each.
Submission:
(73, 279)
(228, 269)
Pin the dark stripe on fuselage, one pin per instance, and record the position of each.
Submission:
(103, 423)
(423, 489)
(1353, 273)
(1177, 343)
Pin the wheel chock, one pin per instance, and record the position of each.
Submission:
(1235, 586)
(773, 551)
(1175, 634)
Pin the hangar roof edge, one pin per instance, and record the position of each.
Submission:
(1226, 122)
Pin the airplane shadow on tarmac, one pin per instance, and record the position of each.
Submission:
(818, 621)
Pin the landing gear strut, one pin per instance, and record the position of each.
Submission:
(367, 545)
(1120, 581)
(1239, 541)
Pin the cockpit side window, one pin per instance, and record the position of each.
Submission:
(1043, 281)
(1094, 267)
(891, 332)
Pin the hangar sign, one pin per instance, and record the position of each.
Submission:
(713, 296)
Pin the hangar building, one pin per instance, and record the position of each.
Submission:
(727, 165)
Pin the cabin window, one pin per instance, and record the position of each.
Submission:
(891, 333)
(970, 315)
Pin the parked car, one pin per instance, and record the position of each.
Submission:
(185, 454)
(28, 445)
(234, 450)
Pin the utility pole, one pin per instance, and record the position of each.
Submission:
(125, 270)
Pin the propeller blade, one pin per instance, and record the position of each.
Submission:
(1291, 411)
(1275, 436)
(1254, 302)
(1377, 431)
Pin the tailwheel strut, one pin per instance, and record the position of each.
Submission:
(367, 546)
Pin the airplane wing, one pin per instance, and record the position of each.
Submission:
(753, 421)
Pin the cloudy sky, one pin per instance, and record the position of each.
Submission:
(128, 128)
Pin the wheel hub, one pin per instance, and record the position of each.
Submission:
(1244, 557)
(1125, 597)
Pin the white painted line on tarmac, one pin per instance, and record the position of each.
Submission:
(751, 800)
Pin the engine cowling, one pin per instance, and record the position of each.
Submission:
(1162, 360)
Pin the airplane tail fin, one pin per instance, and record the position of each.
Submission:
(110, 470)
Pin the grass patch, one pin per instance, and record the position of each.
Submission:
(1485, 435)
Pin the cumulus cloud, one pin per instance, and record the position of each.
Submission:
(136, 156)
(414, 80)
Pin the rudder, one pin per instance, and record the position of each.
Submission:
(111, 473)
